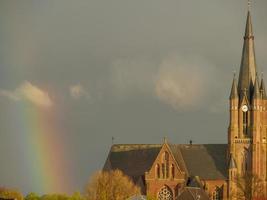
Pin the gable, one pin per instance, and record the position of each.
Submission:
(166, 160)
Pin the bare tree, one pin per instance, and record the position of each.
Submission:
(113, 185)
(249, 186)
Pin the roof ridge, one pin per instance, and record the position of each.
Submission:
(182, 161)
(192, 194)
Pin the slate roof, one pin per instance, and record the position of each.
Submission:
(194, 182)
(208, 161)
(190, 193)
(133, 160)
(178, 157)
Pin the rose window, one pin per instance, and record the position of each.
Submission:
(165, 194)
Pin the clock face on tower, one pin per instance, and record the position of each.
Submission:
(244, 108)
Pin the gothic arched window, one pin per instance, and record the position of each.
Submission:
(157, 170)
(167, 170)
(245, 160)
(163, 170)
(216, 195)
(165, 165)
(172, 171)
(165, 193)
(245, 122)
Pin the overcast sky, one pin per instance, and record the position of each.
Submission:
(74, 74)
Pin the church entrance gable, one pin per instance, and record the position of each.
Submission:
(165, 176)
(165, 167)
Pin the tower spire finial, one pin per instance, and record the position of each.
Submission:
(249, 5)
(234, 93)
(247, 73)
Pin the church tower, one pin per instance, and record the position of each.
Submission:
(248, 118)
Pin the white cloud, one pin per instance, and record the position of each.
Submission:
(78, 91)
(34, 94)
(9, 94)
(29, 92)
(184, 84)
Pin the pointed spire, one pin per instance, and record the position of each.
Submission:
(234, 93)
(249, 31)
(256, 91)
(262, 88)
(232, 163)
(247, 72)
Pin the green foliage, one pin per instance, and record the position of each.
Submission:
(54, 197)
(14, 194)
(32, 196)
(77, 196)
(74, 196)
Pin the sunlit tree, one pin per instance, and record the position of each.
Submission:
(7, 193)
(113, 185)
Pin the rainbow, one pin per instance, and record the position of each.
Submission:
(40, 136)
(44, 150)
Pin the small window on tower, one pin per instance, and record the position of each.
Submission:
(245, 122)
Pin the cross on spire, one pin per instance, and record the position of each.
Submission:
(249, 4)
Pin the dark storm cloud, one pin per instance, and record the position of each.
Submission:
(122, 68)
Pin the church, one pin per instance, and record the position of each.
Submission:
(206, 171)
